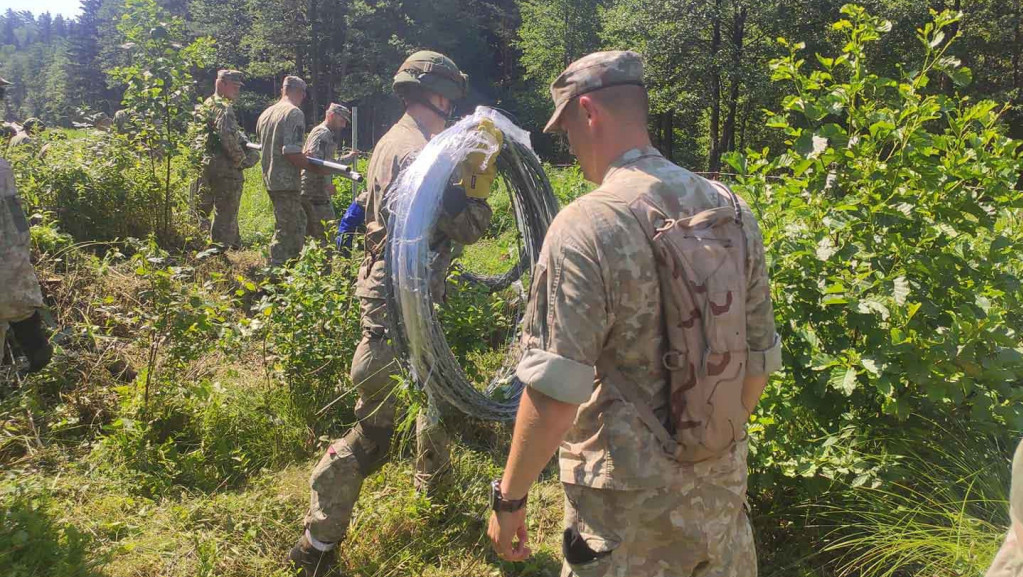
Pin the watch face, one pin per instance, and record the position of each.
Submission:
(495, 494)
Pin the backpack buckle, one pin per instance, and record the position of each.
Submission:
(672, 360)
(666, 226)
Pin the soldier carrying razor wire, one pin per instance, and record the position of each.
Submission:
(429, 84)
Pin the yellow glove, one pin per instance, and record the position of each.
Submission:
(480, 169)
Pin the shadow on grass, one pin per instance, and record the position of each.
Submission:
(33, 541)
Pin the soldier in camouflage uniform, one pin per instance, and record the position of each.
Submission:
(224, 160)
(281, 130)
(29, 129)
(1009, 560)
(429, 83)
(631, 508)
(318, 189)
(21, 299)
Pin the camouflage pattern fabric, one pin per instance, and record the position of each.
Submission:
(317, 212)
(1008, 561)
(696, 525)
(22, 137)
(281, 130)
(338, 477)
(220, 195)
(21, 296)
(318, 188)
(590, 73)
(462, 220)
(597, 287)
(319, 144)
(222, 178)
(289, 226)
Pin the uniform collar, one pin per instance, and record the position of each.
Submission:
(409, 122)
(631, 156)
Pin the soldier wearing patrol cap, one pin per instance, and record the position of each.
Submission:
(224, 160)
(21, 299)
(596, 333)
(318, 189)
(281, 130)
(429, 83)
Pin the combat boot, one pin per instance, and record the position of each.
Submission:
(311, 562)
(33, 341)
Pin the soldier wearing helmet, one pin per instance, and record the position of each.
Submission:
(31, 127)
(21, 298)
(429, 83)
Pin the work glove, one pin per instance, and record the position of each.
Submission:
(479, 169)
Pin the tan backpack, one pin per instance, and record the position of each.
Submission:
(702, 268)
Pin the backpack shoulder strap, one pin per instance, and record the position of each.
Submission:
(610, 375)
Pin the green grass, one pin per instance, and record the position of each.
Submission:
(218, 483)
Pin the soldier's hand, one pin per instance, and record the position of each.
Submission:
(507, 532)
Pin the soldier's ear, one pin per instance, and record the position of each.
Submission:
(588, 107)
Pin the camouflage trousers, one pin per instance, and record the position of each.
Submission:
(20, 295)
(697, 526)
(289, 226)
(1008, 561)
(337, 478)
(318, 210)
(221, 195)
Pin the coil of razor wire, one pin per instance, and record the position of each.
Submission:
(416, 330)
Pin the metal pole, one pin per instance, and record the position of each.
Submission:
(355, 146)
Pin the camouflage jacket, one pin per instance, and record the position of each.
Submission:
(319, 144)
(596, 298)
(462, 220)
(281, 130)
(21, 295)
(225, 143)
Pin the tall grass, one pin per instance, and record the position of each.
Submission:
(942, 511)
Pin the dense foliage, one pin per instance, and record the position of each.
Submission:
(174, 431)
(707, 59)
(891, 217)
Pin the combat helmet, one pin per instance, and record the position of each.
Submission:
(432, 71)
(33, 125)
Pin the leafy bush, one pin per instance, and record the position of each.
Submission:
(97, 187)
(310, 323)
(892, 226)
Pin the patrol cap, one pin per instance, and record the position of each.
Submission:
(294, 82)
(593, 72)
(342, 110)
(235, 76)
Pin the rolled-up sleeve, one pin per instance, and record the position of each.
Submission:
(761, 337)
(566, 320)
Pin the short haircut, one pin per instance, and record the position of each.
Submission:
(629, 103)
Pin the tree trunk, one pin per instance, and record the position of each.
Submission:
(738, 37)
(714, 160)
(314, 56)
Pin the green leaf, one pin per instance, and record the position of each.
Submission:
(843, 379)
(901, 290)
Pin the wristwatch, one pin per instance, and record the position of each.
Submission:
(500, 504)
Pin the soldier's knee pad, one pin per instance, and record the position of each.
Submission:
(370, 445)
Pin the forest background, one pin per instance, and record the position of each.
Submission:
(174, 432)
